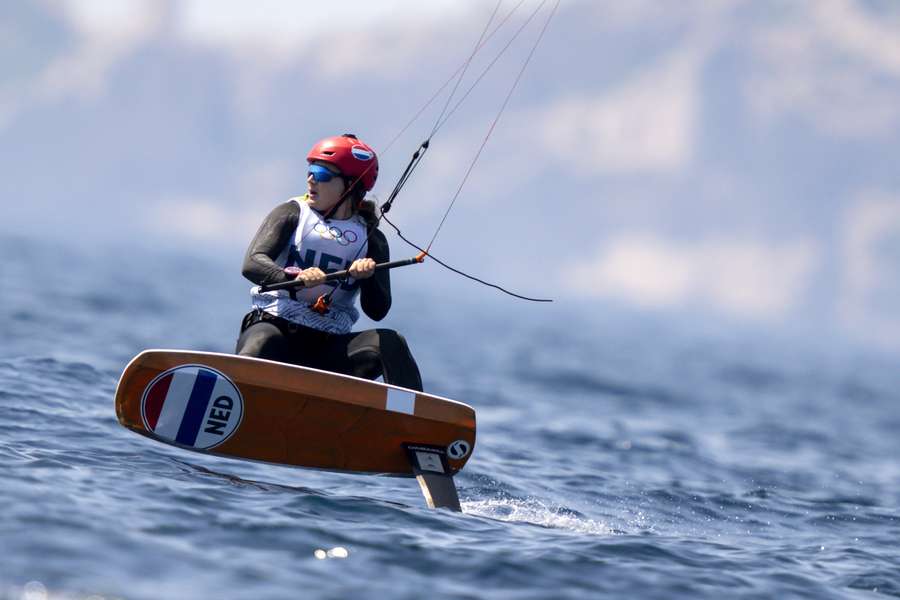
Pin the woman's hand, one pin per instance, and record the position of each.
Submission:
(311, 277)
(362, 268)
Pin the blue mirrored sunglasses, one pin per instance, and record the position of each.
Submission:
(321, 174)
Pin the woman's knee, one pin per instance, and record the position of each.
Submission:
(384, 352)
(392, 341)
(399, 365)
(366, 364)
(262, 340)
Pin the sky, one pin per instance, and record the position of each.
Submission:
(730, 159)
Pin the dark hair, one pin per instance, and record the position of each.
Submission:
(364, 208)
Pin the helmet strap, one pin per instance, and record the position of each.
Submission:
(349, 194)
(330, 213)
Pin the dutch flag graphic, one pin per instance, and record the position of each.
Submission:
(192, 405)
(361, 153)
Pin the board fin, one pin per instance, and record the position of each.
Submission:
(429, 464)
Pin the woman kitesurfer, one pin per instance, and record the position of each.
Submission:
(332, 227)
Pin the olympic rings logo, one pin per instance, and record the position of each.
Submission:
(344, 238)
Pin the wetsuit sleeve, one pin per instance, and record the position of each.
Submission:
(375, 292)
(271, 238)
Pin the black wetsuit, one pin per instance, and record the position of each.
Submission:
(366, 354)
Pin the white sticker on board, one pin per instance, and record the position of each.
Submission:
(429, 461)
(402, 401)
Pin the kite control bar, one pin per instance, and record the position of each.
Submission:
(295, 283)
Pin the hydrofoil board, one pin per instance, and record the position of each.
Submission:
(255, 409)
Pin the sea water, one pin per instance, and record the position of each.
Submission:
(618, 455)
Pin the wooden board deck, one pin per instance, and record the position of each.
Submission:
(256, 409)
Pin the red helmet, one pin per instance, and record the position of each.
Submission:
(354, 158)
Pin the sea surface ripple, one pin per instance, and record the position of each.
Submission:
(623, 457)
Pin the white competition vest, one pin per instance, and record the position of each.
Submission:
(331, 246)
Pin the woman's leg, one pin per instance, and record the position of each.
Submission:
(383, 352)
(366, 354)
(263, 340)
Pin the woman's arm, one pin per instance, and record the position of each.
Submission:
(271, 238)
(375, 292)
